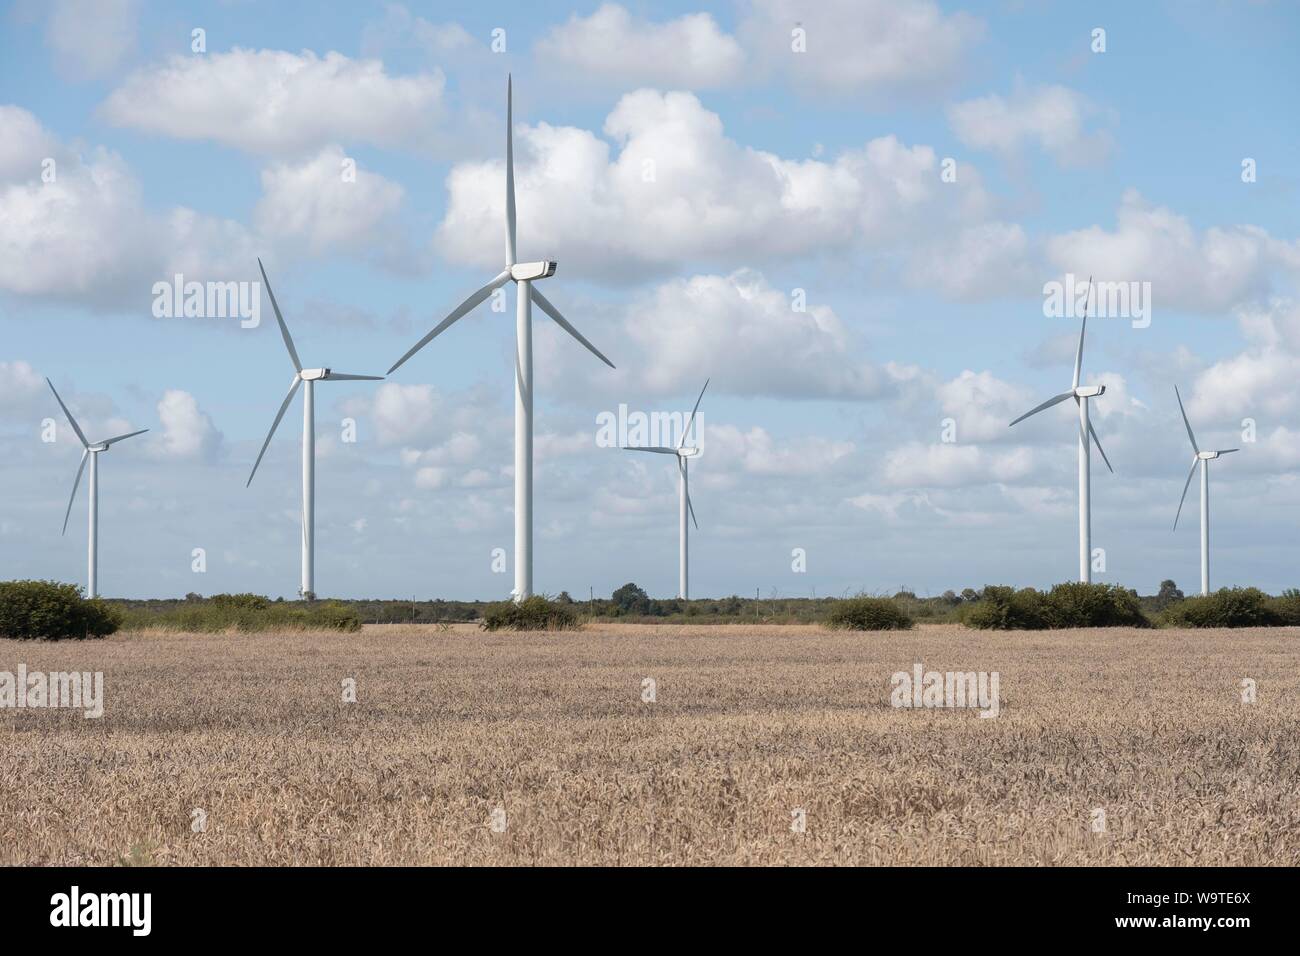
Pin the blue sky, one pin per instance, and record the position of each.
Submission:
(774, 171)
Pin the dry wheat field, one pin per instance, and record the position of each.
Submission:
(471, 748)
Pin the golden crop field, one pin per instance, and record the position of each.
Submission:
(471, 748)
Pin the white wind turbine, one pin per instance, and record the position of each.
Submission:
(308, 377)
(523, 274)
(1202, 458)
(684, 454)
(1081, 394)
(92, 452)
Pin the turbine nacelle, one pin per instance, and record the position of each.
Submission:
(1207, 455)
(532, 271)
(1089, 391)
(314, 374)
(690, 452)
(98, 446)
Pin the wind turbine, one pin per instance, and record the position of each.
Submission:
(92, 452)
(1202, 458)
(684, 454)
(308, 377)
(1081, 394)
(523, 274)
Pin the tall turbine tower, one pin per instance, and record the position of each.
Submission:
(684, 454)
(1081, 394)
(523, 274)
(92, 452)
(1202, 458)
(308, 377)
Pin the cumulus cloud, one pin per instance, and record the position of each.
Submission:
(313, 204)
(678, 190)
(87, 237)
(1260, 381)
(684, 327)
(1207, 271)
(1049, 117)
(187, 430)
(917, 465)
(860, 46)
(756, 451)
(614, 45)
(21, 388)
(276, 102)
(90, 38)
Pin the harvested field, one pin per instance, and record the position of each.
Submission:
(750, 724)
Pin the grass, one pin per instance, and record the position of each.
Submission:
(750, 723)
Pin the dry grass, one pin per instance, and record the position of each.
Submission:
(750, 723)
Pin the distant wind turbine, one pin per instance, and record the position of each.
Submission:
(1081, 394)
(308, 377)
(92, 452)
(684, 454)
(1202, 458)
(523, 274)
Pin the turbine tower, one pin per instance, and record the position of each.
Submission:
(1202, 458)
(1087, 435)
(307, 377)
(684, 454)
(92, 452)
(523, 274)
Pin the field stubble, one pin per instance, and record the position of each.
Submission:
(750, 724)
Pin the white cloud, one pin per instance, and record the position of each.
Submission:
(275, 102)
(21, 388)
(917, 465)
(87, 237)
(679, 190)
(982, 405)
(755, 451)
(1208, 271)
(1050, 117)
(1258, 382)
(399, 29)
(89, 38)
(614, 45)
(187, 430)
(861, 47)
(746, 335)
(311, 204)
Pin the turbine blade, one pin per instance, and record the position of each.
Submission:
(346, 377)
(691, 421)
(1054, 400)
(510, 172)
(75, 427)
(657, 448)
(274, 425)
(284, 329)
(1195, 447)
(1078, 355)
(563, 323)
(689, 507)
(126, 436)
(75, 483)
(1184, 497)
(1226, 451)
(455, 314)
(1097, 441)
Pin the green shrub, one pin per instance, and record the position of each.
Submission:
(50, 611)
(250, 612)
(1229, 607)
(1075, 604)
(536, 613)
(1287, 607)
(333, 616)
(1001, 608)
(868, 614)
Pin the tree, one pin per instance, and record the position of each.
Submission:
(630, 599)
(1167, 595)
